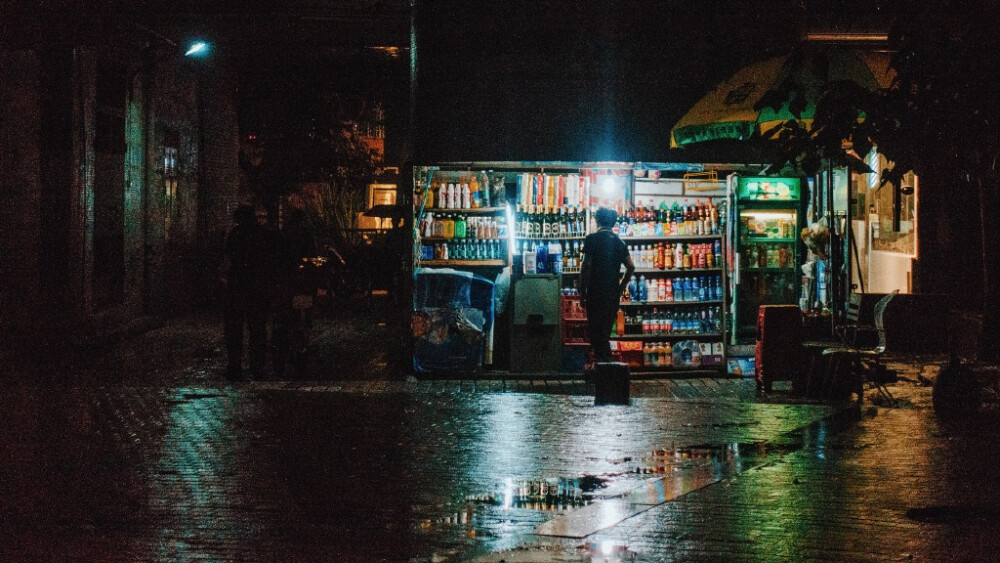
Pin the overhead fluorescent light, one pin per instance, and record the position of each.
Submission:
(836, 37)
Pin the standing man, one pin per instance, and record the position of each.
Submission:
(293, 318)
(250, 286)
(601, 281)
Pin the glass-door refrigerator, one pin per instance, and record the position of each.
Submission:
(767, 252)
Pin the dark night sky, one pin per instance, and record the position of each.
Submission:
(498, 80)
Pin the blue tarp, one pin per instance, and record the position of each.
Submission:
(453, 312)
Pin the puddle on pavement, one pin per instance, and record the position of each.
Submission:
(542, 494)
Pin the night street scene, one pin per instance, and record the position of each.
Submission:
(514, 281)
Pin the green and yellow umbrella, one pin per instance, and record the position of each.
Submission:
(729, 111)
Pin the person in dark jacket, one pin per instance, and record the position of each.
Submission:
(250, 285)
(601, 281)
(295, 278)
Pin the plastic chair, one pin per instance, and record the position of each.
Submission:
(864, 364)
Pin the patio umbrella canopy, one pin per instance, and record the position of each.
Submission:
(728, 110)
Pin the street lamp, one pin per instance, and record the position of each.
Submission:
(197, 49)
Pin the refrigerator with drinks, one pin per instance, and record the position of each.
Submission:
(767, 252)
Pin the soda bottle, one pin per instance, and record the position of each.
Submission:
(542, 258)
(661, 290)
(555, 257)
(668, 290)
(476, 197)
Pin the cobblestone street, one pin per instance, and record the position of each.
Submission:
(118, 461)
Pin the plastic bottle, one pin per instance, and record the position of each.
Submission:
(668, 290)
(476, 199)
(542, 258)
(620, 323)
(633, 290)
(528, 258)
(555, 257)
(466, 195)
(643, 289)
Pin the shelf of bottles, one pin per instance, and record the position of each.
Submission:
(551, 221)
(461, 226)
(676, 296)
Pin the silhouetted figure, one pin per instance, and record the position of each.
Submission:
(601, 281)
(250, 286)
(297, 285)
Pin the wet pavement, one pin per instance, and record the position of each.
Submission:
(117, 461)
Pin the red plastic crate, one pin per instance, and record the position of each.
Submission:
(572, 309)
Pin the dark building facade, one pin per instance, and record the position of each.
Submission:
(118, 174)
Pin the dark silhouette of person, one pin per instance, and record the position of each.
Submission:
(295, 277)
(601, 281)
(250, 286)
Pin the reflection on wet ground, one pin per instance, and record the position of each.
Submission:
(206, 472)
(277, 474)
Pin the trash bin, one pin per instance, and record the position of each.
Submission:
(779, 340)
(611, 383)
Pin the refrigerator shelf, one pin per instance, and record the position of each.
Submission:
(672, 237)
(463, 262)
(667, 303)
(708, 336)
(675, 270)
(470, 211)
(767, 239)
(463, 239)
(774, 269)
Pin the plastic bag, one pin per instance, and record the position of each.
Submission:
(686, 354)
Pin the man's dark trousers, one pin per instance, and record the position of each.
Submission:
(601, 313)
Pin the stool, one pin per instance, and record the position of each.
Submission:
(611, 383)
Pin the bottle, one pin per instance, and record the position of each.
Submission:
(661, 290)
(546, 226)
(528, 258)
(620, 322)
(449, 196)
(633, 290)
(643, 289)
(466, 194)
(668, 290)
(542, 258)
(461, 227)
(555, 257)
(476, 198)
(696, 290)
(660, 256)
(686, 258)
(484, 190)
(718, 254)
(679, 255)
